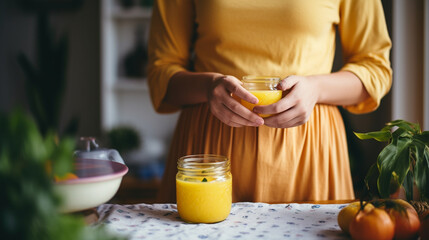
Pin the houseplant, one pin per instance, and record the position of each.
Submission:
(404, 161)
(123, 138)
(28, 202)
(45, 77)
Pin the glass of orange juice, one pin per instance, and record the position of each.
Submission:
(264, 88)
(203, 188)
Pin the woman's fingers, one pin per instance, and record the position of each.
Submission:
(295, 108)
(288, 82)
(233, 86)
(226, 108)
(287, 102)
(244, 113)
(292, 118)
(234, 119)
(282, 105)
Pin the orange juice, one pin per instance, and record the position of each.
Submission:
(204, 202)
(264, 88)
(203, 188)
(265, 97)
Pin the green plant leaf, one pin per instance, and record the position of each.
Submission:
(62, 160)
(28, 202)
(405, 160)
(401, 133)
(28, 69)
(371, 181)
(421, 173)
(409, 186)
(418, 149)
(424, 137)
(393, 158)
(124, 138)
(408, 126)
(381, 136)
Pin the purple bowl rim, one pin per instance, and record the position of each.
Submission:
(101, 178)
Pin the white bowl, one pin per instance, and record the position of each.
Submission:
(98, 182)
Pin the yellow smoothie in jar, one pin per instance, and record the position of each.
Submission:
(204, 202)
(203, 188)
(264, 88)
(265, 97)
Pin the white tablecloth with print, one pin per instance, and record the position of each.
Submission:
(246, 221)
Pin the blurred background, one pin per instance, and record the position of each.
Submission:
(80, 66)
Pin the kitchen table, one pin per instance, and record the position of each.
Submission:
(246, 221)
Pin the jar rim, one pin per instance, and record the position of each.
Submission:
(210, 163)
(196, 158)
(260, 79)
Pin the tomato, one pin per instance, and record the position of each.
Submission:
(407, 224)
(346, 215)
(405, 204)
(405, 218)
(371, 224)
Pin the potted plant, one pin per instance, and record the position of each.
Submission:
(124, 139)
(404, 161)
(28, 202)
(45, 81)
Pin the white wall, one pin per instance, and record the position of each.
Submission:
(410, 91)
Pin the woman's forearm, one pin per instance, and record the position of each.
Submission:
(340, 88)
(187, 88)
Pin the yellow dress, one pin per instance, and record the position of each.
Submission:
(273, 37)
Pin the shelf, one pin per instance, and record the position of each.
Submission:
(135, 13)
(126, 101)
(131, 84)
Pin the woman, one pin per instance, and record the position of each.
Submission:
(198, 51)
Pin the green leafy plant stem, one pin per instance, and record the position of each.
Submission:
(404, 161)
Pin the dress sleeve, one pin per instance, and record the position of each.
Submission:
(366, 49)
(169, 46)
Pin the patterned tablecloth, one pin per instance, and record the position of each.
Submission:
(246, 221)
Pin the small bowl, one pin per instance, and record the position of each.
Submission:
(98, 182)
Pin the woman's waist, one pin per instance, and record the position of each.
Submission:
(200, 113)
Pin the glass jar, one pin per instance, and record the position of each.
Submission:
(264, 88)
(203, 188)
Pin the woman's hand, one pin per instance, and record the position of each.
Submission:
(226, 108)
(302, 93)
(295, 107)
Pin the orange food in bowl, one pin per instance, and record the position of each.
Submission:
(67, 176)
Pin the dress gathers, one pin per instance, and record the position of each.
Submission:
(276, 38)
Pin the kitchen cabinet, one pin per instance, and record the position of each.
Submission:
(125, 99)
